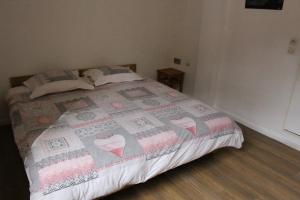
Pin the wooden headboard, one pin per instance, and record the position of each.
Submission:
(18, 80)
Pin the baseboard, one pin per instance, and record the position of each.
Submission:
(4, 122)
(288, 139)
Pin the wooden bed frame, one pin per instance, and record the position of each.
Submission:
(18, 80)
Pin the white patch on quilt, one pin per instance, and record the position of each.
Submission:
(105, 97)
(139, 122)
(196, 108)
(151, 102)
(53, 142)
(157, 88)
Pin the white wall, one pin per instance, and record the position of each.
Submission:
(38, 35)
(210, 47)
(255, 75)
(186, 46)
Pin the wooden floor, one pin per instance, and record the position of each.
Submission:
(262, 169)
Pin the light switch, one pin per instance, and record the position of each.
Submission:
(292, 46)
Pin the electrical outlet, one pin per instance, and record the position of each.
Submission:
(291, 50)
(177, 61)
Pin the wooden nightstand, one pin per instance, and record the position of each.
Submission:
(171, 77)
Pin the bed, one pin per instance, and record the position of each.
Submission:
(88, 144)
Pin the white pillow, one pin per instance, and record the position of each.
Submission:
(112, 74)
(55, 81)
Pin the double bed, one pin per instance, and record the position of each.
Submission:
(88, 144)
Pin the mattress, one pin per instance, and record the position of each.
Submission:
(88, 144)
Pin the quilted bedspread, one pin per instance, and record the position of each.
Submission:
(87, 144)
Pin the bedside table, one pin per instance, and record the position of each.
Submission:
(171, 77)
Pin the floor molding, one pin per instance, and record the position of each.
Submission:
(288, 139)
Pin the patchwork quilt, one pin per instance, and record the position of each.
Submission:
(87, 144)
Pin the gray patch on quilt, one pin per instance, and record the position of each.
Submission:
(132, 93)
(67, 105)
(213, 116)
(167, 112)
(99, 128)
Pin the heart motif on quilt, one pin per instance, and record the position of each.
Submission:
(173, 94)
(114, 144)
(43, 120)
(187, 123)
(117, 105)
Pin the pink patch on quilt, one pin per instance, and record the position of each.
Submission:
(187, 123)
(117, 105)
(43, 120)
(114, 144)
(158, 142)
(66, 170)
(173, 94)
(219, 125)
